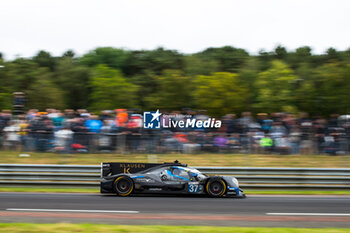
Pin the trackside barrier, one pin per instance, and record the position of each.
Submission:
(249, 177)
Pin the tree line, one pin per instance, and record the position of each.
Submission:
(221, 80)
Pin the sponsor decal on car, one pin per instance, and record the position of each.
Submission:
(147, 180)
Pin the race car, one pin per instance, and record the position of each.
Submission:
(125, 179)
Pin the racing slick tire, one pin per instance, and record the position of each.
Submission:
(123, 186)
(216, 187)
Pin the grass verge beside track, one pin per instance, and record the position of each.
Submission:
(217, 160)
(66, 227)
(49, 190)
(248, 192)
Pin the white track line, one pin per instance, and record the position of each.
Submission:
(80, 211)
(311, 214)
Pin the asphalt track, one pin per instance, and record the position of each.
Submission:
(268, 211)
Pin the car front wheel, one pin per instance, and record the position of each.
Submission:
(216, 187)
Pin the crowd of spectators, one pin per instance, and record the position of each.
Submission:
(121, 130)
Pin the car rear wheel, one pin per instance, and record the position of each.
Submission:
(216, 187)
(123, 186)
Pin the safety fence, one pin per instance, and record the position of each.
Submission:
(249, 177)
(166, 141)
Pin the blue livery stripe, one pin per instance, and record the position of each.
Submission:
(177, 176)
(236, 189)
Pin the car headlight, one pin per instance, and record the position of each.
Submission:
(235, 181)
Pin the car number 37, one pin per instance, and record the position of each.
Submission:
(193, 187)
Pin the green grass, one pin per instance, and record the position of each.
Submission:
(298, 192)
(248, 192)
(49, 190)
(67, 227)
(245, 160)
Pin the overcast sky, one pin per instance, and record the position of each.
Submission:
(188, 26)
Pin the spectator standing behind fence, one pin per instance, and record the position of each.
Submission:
(121, 118)
(63, 140)
(134, 127)
(103, 139)
(294, 139)
(265, 122)
(282, 145)
(56, 118)
(93, 124)
(5, 117)
(12, 138)
(305, 124)
(220, 142)
(3, 124)
(230, 123)
(49, 131)
(266, 143)
(23, 132)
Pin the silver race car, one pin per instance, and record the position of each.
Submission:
(168, 178)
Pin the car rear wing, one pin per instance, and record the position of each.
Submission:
(109, 169)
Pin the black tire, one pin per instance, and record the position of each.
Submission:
(216, 187)
(123, 186)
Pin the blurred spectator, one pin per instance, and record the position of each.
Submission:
(121, 118)
(233, 142)
(333, 120)
(63, 140)
(265, 122)
(220, 142)
(266, 143)
(278, 130)
(12, 138)
(122, 130)
(230, 123)
(282, 145)
(93, 124)
(294, 139)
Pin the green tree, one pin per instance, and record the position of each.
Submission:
(300, 56)
(111, 57)
(275, 88)
(280, 52)
(247, 77)
(153, 61)
(148, 85)
(73, 79)
(173, 91)
(333, 54)
(111, 90)
(197, 65)
(69, 53)
(220, 93)
(18, 75)
(305, 91)
(44, 59)
(43, 93)
(5, 101)
(5, 96)
(332, 83)
(230, 59)
(265, 59)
